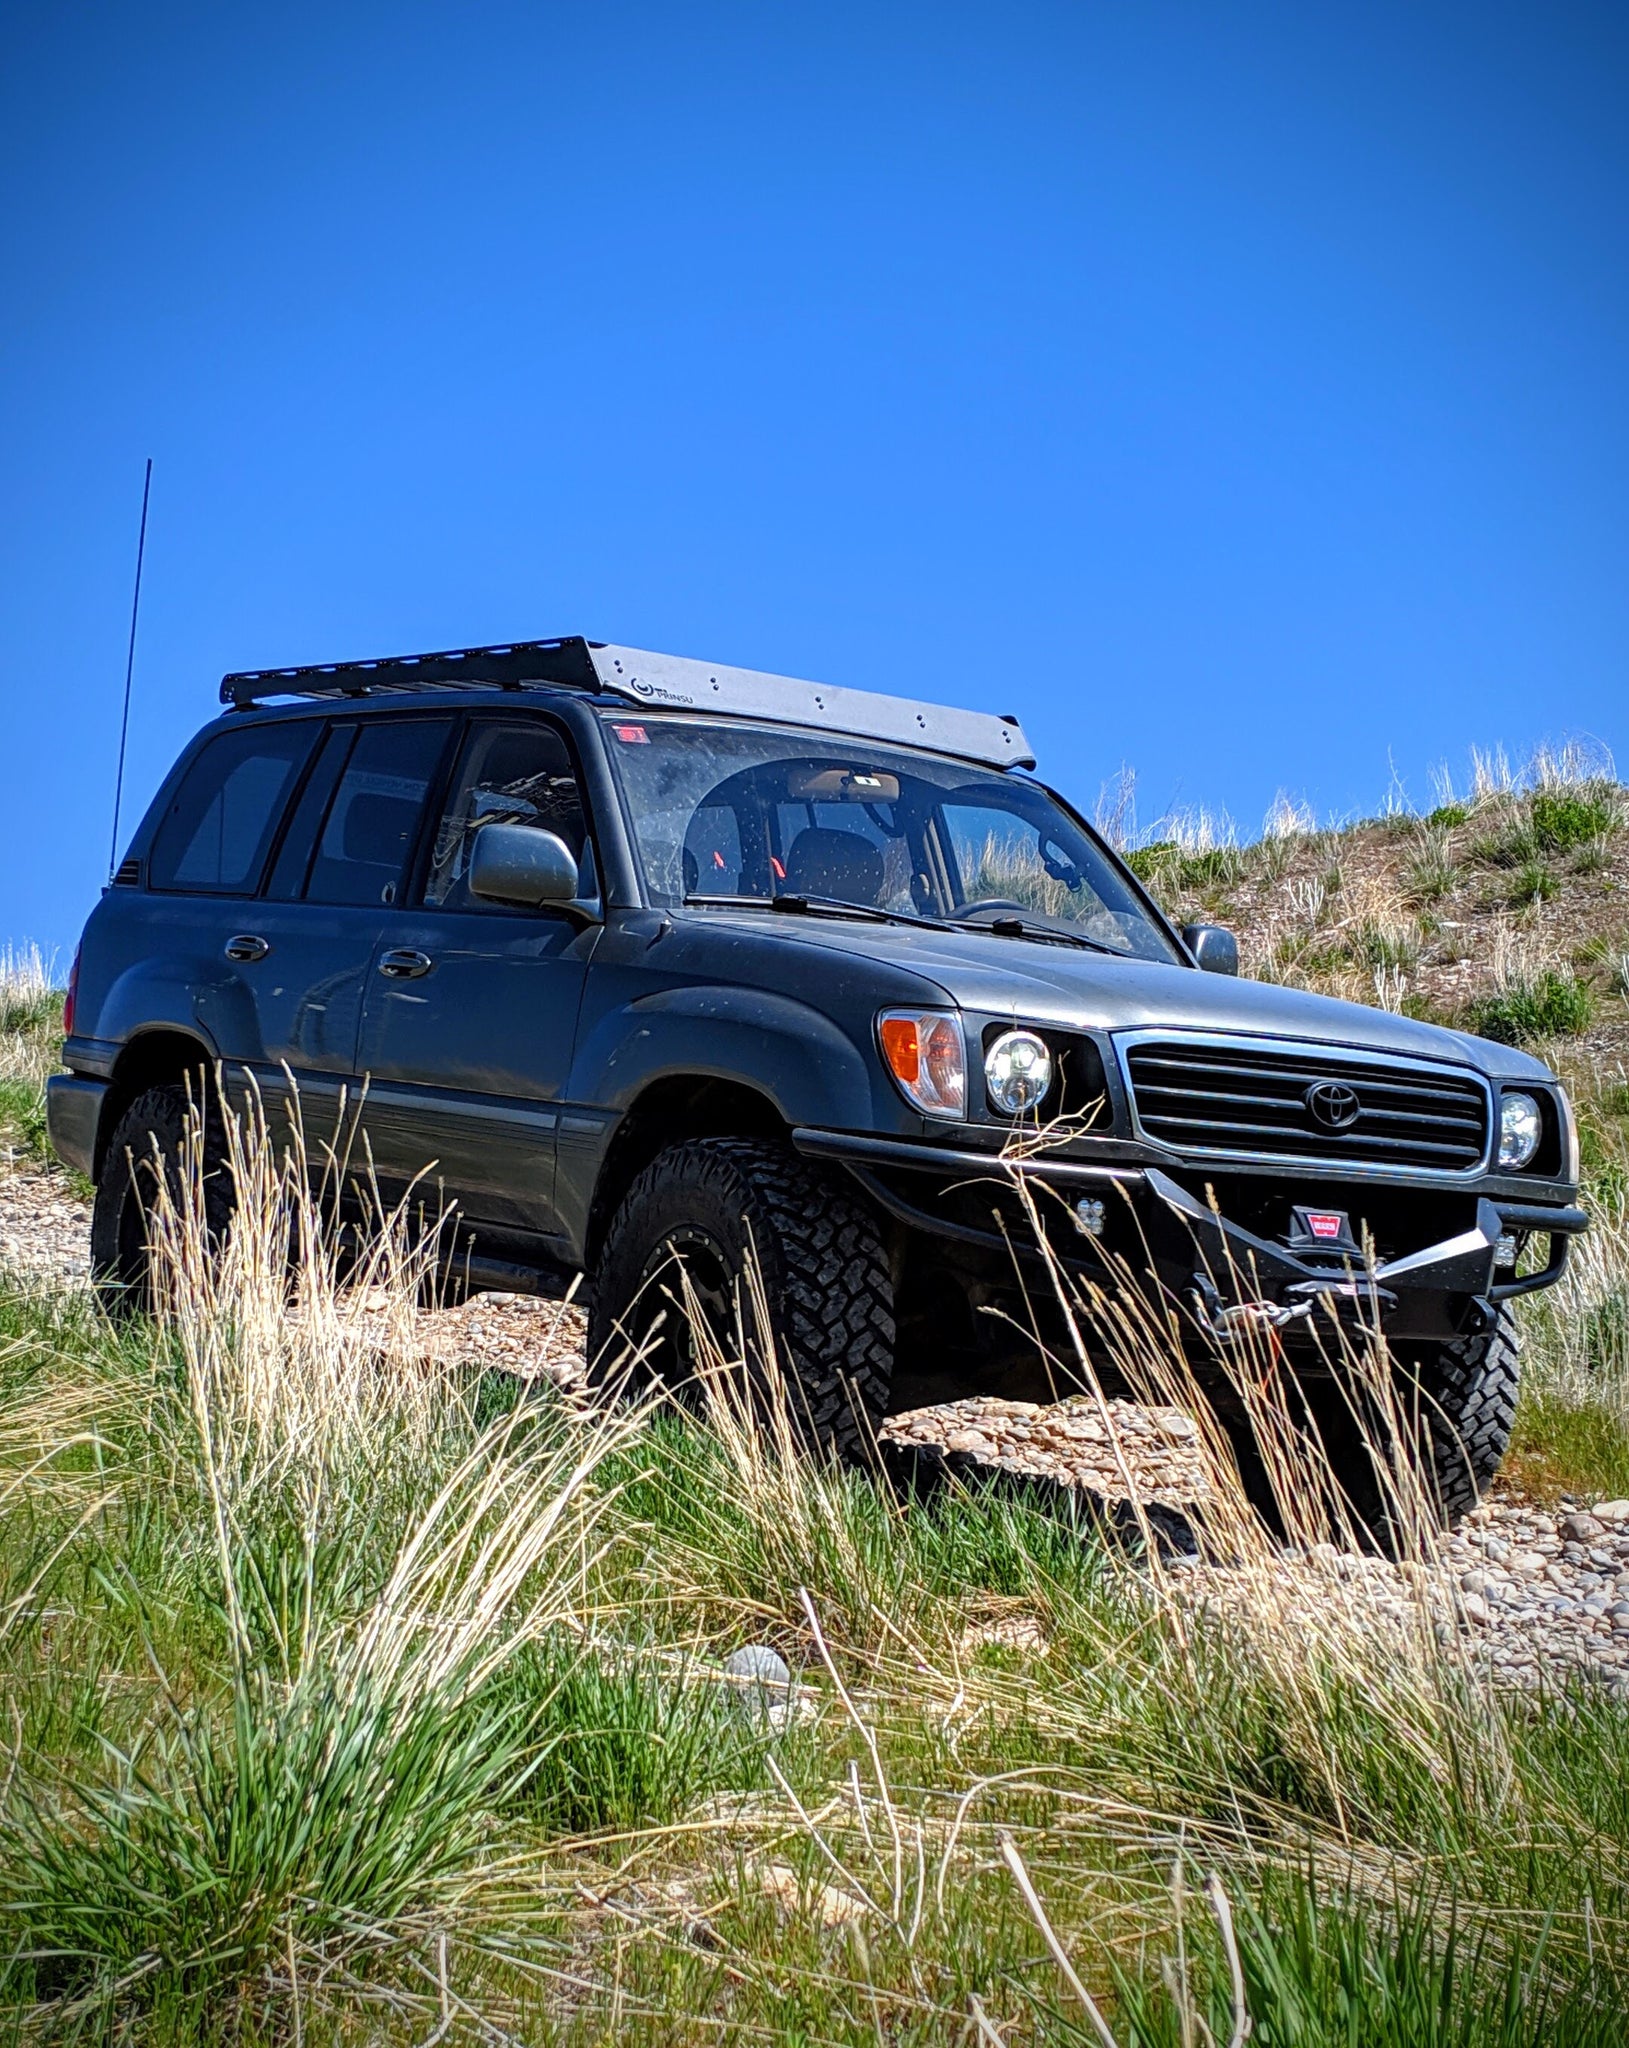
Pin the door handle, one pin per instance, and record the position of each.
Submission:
(247, 946)
(402, 963)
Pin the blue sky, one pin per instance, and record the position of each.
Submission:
(1234, 391)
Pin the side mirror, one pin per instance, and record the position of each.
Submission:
(1213, 946)
(522, 864)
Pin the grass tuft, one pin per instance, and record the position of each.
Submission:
(1551, 1004)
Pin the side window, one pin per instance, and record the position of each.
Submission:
(293, 861)
(373, 821)
(511, 774)
(218, 829)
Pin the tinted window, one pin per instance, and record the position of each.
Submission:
(373, 820)
(219, 825)
(517, 774)
(293, 860)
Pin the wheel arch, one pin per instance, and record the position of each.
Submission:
(151, 1059)
(669, 1111)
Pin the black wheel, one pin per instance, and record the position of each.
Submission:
(711, 1207)
(1469, 1410)
(150, 1140)
(1458, 1403)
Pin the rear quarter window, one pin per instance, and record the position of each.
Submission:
(218, 826)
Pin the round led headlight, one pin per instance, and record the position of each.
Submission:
(1018, 1071)
(1521, 1125)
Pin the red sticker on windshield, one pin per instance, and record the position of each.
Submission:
(632, 735)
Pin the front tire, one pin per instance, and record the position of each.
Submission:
(713, 1206)
(1471, 1387)
(1457, 1400)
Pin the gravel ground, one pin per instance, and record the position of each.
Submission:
(44, 1230)
(1537, 1592)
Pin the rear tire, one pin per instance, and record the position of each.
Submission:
(714, 1204)
(149, 1141)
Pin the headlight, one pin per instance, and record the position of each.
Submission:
(1017, 1071)
(1521, 1125)
(925, 1055)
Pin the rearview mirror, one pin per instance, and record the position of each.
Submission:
(1213, 946)
(522, 864)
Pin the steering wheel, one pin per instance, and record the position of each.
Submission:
(998, 906)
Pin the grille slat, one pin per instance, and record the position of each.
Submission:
(1208, 1098)
(1469, 1120)
(1375, 1082)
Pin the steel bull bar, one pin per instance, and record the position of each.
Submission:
(1462, 1264)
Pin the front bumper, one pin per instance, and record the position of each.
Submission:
(1227, 1259)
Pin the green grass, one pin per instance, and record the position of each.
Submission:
(214, 1773)
(30, 1049)
(22, 1119)
(1319, 1971)
(1548, 1005)
(1166, 863)
(1564, 819)
(1570, 1444)
(1532, 882)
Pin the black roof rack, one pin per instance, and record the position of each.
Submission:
(565, 663)
(662, 681)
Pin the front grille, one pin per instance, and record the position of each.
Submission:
(1238, 1098)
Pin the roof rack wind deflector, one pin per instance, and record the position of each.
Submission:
(665, 682)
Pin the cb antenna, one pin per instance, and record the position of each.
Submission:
(129, 669)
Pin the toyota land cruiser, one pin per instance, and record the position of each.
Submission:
(647, 960)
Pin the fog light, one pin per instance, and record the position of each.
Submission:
(1018, 1071)
(1520, 1127)
(1091, 1215)
(1504, 1252)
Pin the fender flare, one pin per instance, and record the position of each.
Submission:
(806, 1065)
(186, 993)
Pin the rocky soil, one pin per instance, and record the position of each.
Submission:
(1116, 1448)
(1536, 1593)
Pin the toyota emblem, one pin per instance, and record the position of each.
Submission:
(1333, 1105)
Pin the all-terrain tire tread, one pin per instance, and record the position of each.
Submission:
(825, 1270)
(1473, 1383)
(158, 1116)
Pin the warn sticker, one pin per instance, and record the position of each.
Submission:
(1321, 1226)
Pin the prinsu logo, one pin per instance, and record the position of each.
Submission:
(1333, 1105)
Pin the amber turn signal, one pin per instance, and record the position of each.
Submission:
(927, 1056)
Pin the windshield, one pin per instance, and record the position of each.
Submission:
(740, 810)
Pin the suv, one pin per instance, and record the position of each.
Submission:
(650, 962)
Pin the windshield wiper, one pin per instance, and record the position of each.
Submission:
(799, 904)
(1015, 928)
(796, 902)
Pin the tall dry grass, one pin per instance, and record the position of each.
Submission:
(380, 1563)
(30, 1034)
(415, 1726)
(1280, 1704)
(298, 1325)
